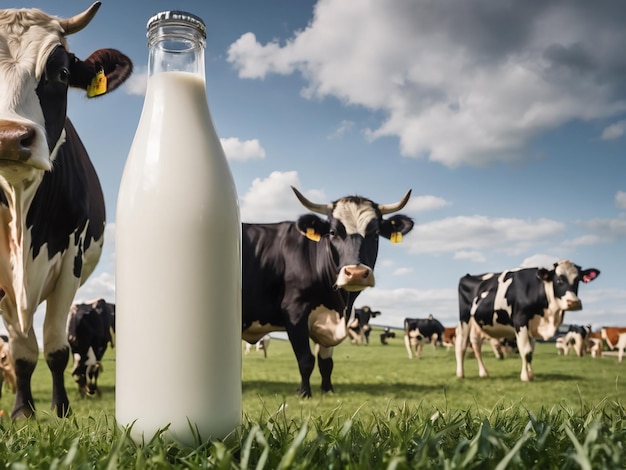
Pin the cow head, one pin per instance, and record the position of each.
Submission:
(36, 70)
(351, 231)
(565, 278)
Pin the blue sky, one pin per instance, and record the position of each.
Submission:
(506, 119)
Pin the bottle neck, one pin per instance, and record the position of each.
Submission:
(176, 48)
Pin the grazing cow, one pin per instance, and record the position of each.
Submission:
(615, 337)
(7, 372)
(420, 330)
(90, 329)
(520, 303)
(577, 337)
(52, 214)
(386, 334)
(359, 328)
(304, 276)
(261, 345)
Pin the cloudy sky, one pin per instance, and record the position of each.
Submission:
(506, 119)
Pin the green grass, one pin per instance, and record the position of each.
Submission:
(387, 412)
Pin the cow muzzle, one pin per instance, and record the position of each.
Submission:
(21, 143)
(355, 278)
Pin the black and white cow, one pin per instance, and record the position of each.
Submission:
(303, 277)
(417, 331)
(52, 212)
(577, 337)
(521, 303)
(90, 329)
(359, 328)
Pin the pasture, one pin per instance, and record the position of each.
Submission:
(387, 412)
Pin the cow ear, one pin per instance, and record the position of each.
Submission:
(396, 226)
(102, 72)
(312, 227)
(589, 275)
(545, 274)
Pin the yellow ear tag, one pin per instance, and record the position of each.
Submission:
(98, 85)
(396, 237)
(311, 234)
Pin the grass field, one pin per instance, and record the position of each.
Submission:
(387, 412)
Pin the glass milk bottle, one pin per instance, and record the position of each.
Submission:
(178, 254)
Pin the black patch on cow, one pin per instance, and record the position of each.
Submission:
(52, 93)
(67, 199)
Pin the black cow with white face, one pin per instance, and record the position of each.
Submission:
(90, 330)
(52, 213)
(359, 328)
(303, 277)
(418, 331)
(522, 303)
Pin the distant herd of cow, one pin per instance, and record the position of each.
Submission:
(302, 277)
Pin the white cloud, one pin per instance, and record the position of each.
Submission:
(242, 150)
(607, 230)
(403, 271)
(468, 235)
(539, 261)
(614, 131)
(620, 200)
(470, 255)
(272, 200)
(470, 83)
(343, 129)
(425, 203)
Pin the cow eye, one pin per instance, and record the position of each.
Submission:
(332, 232)
(64, 75)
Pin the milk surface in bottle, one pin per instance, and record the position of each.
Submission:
(178, 254)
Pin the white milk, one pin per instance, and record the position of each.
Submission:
(178, 273)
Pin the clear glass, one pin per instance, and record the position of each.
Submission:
(176, 42)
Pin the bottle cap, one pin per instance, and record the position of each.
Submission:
(176, 17)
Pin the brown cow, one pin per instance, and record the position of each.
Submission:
(615, 337)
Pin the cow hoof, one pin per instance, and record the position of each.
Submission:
(303, 394)
(22, 412)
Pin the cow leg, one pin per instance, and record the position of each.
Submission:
(299, 339)
(325, 365)
(477, 343)
(419, 347)
(25, 353)
(407, 343)
(56, 347)
(460, 345)
(621, 345)
(525, 347)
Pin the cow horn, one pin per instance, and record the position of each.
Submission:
(77, 22)
(389, 208)
(312, 206)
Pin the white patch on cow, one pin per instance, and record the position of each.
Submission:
(498, 330)
(568, 269)
(354, 217)
(327, 327)
(545, 326)
(500, 302)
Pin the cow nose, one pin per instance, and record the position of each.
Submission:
(574, 305)
(356, 272)
(16, 141)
